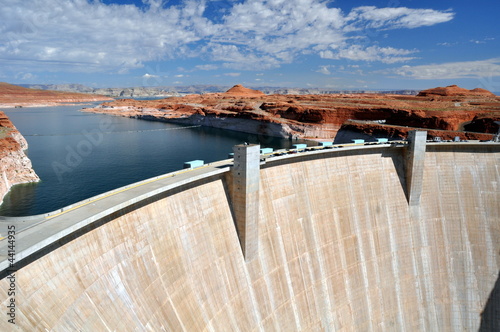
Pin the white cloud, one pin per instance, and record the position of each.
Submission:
(149, 76)
(232, 74)
(447, 44)
(452, 70)
(90, 36)
(483, 41)
(324, 70)
(240, 57)
(206, 67)
(395, 18)
(282, 29)
(371, 53)
(26, 77)
(285, 29)
(473, 41)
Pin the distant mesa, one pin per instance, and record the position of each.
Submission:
(454, 90)
(17, 96)
(240, 90)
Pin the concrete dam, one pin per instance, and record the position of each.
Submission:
(388, 237)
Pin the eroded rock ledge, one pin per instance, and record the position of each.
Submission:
(15, 166)
(451, 109)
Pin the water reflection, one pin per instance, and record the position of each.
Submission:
(25, 192)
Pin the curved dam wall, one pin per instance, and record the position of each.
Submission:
(338, 250)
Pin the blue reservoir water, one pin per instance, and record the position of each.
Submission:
(78, 155)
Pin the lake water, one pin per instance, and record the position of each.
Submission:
(78, 155)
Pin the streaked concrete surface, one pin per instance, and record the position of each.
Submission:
(338, 250)
(414, 169)
(245, 197)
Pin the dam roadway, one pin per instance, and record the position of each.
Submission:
(342, 241)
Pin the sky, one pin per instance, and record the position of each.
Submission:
(342, 44)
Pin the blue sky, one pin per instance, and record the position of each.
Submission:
(392, 44)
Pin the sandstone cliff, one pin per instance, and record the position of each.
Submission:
(320, 116)
(15, 167)
(454, 90)
(240, 90)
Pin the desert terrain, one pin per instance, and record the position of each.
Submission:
(16, 96)
(446, 112)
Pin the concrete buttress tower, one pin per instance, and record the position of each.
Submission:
(245, 196)
(415, 157)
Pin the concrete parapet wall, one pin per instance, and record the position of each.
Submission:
(338, 250)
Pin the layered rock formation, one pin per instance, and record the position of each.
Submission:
(15, 167)
(16, 96)
(240, 90)
(322, 116)
(454, 90)
(374, 129)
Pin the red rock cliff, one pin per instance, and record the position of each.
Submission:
(240, 90)
(454, 90)
(15, 167)
(321, 116)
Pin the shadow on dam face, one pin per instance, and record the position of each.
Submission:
(338, 250)
(490, 317)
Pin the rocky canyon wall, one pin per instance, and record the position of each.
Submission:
(440, 111)
(15, 166)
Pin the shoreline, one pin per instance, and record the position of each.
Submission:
(51, 104)
(239, 124)
(15, 167)
(321, 118)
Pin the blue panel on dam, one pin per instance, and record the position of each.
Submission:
(325, 143)
(266, 150)
(193, 164)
